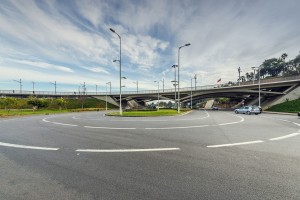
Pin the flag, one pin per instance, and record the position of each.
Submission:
(219, 80)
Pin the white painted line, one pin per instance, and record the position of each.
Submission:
(126, 150)
(284, 137)
(235, 144)
(178, 127)
(296, 123)
(45, 120)
(98, 127)
(27, 147)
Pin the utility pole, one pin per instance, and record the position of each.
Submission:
(96, 89)
(54, 86)
(239, 70)
(33, 87)
(163, 82)
(195, 77)
(20, 82)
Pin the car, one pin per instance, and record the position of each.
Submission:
(248, 110)
(215, 108)
(298, 114)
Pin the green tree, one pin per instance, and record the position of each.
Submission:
(61, 102)
(8, 102)
(37, 103)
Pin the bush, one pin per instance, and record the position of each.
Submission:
(288, 106)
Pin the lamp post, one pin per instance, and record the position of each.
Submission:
(33, 87)
(195, 77)
(254, 69)
(20, 82)
(259, 86)
(96, 89)
(108, 83)
(175, 82)
(163, 82)
(137, 86)
(157, 93)
(192, 93)
(120, 61)
(188, 44)
(54, 86)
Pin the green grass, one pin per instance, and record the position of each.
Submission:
(162, 112)
(288, 106)
(10, 113)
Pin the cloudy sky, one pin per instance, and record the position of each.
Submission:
(69, 41)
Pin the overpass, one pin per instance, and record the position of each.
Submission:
(273, 91)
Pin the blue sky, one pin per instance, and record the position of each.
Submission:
(69, 41)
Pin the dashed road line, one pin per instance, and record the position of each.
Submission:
(27, 147)
(112, 128)
(285, 136)
(235, 144)
(126, 150)
(45, 120)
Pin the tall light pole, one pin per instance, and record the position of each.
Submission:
(188, 44)
(163, 82)
(137, 86)
(157, 93)
(254, 69)
(96, 89)
(20, 82)
(120, 61)
(33, 87)
(195, 77)
(54, 86)
(259, 86)
(108, 83)
(192, 92)
(175, 82)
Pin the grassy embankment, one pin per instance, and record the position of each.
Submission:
(288, 106)
(21, 107)
(148, 113)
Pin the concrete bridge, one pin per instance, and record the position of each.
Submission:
(273, 91)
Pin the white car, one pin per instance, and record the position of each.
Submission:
(248, 110)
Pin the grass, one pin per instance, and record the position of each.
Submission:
(162, 112)
(288, 106)
(17, 112)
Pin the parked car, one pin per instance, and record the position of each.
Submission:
(298, 114)
(215, 108)
(248, 110)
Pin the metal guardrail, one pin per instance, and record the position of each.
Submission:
(186, 89)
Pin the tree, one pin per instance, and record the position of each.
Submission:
(37, 103)
(61, 102)
(8, 102)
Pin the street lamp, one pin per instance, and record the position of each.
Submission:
(96, 89)
(33, 87)
(163, 82)
(120, 61)
(20, 82)
(195, 77)
(188, 44)
(254, 69)
(175, 82)
(108, 83)
(258, 68)
(157, 93)
(137, 86)
(54, 86)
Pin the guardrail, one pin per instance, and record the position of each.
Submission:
(186, 89)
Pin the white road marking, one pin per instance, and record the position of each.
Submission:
(296, 123)
(45, 120)
(229, 123)
(235, 144)
(99, 127)
(126, 150)
(285, 136)
(27, 147)
(177, 127)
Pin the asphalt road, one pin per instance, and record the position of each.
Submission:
(201, 155)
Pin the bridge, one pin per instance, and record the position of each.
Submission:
(272, 91)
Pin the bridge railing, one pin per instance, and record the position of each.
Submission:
(185, 89)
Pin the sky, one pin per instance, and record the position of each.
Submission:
(69, 41)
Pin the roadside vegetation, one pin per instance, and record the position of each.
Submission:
(10, 106)
(288, 106)
(149, 113)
